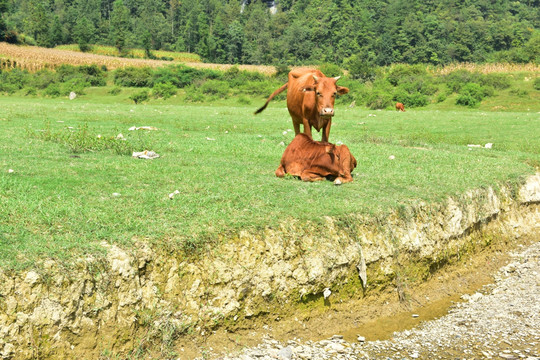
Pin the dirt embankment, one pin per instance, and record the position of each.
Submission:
(143, 299)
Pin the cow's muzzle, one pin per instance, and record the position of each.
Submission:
(327, 112)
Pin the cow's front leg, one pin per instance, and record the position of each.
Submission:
(326, 131)
(307, 127)
(309, 175)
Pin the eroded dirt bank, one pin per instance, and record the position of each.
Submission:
(142, 301)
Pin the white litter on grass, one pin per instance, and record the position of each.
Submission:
(120, 137)
(72, 95)
(326, 293)
(171, 195)
(145, 154)
(391, 157)
(281, 144)
(488, 145)
(116, 194)
(372, 115)
(285, 133)
(339, 143)
(474, 145)
(10, 171)
(210, 139)
(150, 128)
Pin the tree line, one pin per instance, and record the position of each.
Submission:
(347, 33)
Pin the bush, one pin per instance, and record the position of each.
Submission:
(91, 74)
(497, 81)
(53, 90)
(182, 76)
(400, 72)
(471, 94)
(536, 83)
(43, 78)
(164, 91)
(455, 80)
(215, 87)
(331, 70)
(133, 77)
(467, 100)
(140, 97)
(30, 91)
(115, 90)
(441, 97)
(378, 99)
(77, 85)
(193, 94)
(360, 69)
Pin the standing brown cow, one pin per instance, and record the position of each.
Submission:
(316, 160)
(400, 107)
(310, 100)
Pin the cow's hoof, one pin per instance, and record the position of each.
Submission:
(337, 182)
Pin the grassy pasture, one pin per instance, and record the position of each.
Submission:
(60, 202)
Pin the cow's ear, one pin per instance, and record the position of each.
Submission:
(342, 90)
(308, 88)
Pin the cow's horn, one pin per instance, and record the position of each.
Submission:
(316, 78)
(337, 78)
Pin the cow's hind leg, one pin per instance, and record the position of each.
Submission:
(308, 175)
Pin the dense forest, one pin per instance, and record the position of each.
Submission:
(347, 33)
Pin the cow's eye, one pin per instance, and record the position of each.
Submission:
(318, 93)
(335, 94)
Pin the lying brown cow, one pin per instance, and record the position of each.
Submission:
(316, 160)
(310, 100)
(400, 107)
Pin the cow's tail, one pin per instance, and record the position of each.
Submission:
(271, 97)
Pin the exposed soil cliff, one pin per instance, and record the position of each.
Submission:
(110, 305)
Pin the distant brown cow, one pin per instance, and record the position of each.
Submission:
(310, 100)
(400, 107)
(316, 160)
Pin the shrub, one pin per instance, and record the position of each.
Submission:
(497, 81)
(360, 69)
(164, 91)
(378, 99)
(215, 87)
(331, 70)
(519, 92)
(133, 77)
(92, 74)
(244, 100)
(115, 90)
(30, 91)
(441, 97)
(43, 78)
(77, 85)
(416, 100)
(536, 83)
(467, 100)
(455, 80)
(53, 90)
(193, 94)
(140, 96)
(401, 71)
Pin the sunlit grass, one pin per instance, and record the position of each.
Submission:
(221, 158)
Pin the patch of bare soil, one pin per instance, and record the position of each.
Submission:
(375, 315)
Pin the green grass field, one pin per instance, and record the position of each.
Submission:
(60, 202)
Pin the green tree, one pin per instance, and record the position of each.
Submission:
(120, 26)
(84, 31)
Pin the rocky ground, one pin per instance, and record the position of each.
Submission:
(502, 321)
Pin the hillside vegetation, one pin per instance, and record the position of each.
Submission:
(347, 33)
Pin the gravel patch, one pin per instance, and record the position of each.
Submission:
(502, 321)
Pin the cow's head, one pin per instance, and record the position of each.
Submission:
(326, 91)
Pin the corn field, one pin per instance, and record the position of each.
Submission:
(33, 58)
(485, 68)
